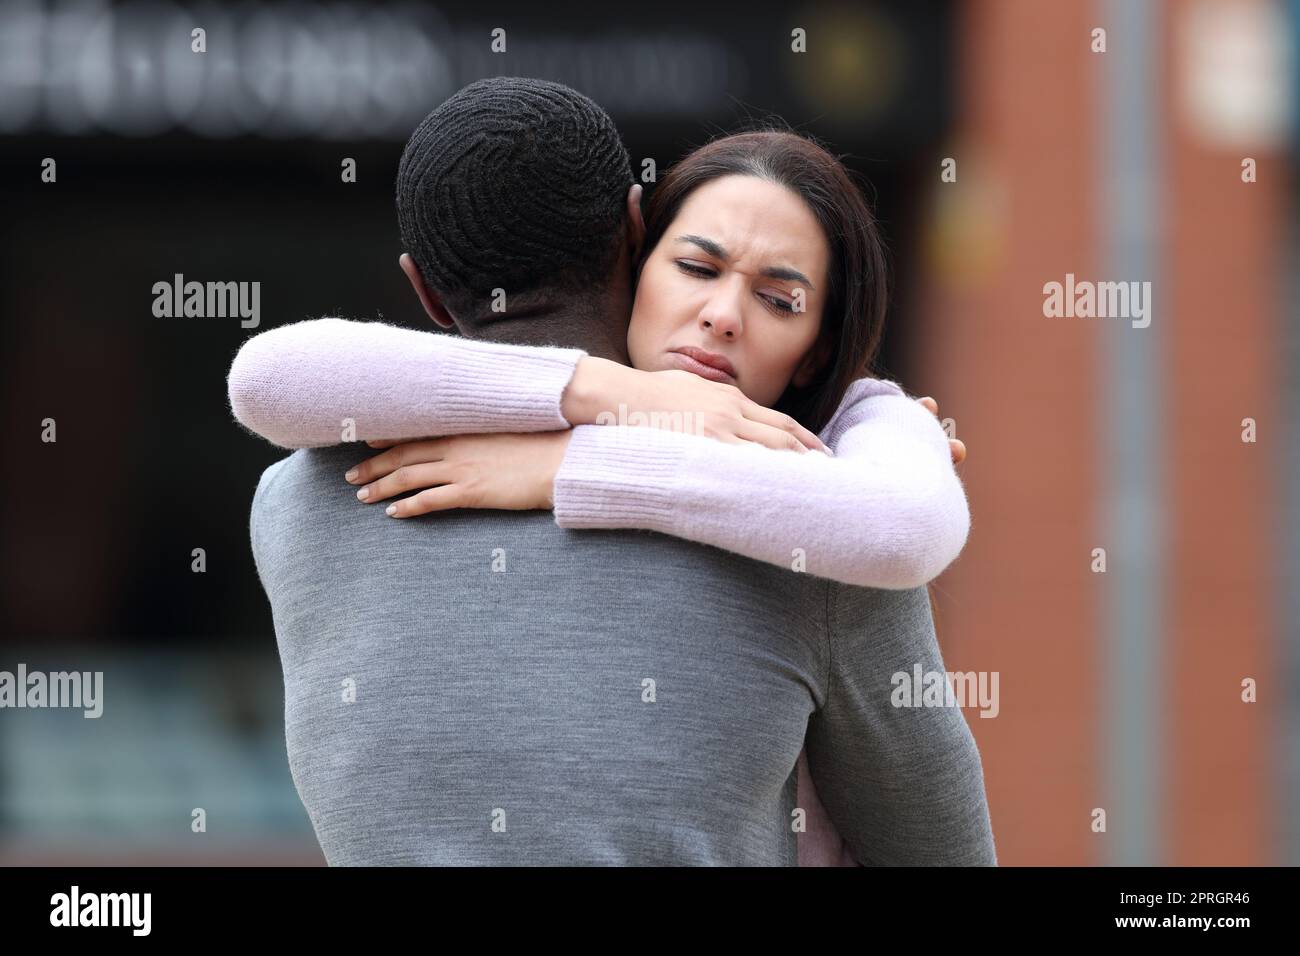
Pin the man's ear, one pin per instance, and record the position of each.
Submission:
(428, 298)
(813, 362)
(635, 221)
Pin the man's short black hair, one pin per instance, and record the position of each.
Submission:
(513, 183)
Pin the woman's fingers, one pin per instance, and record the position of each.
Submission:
(441, 498)
(785, 423)
(770, 436)
(404, 479)
(407, 453)
(955, 447)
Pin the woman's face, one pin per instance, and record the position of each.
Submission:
(727, 278)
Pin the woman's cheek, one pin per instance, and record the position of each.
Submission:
(647, 336)
(773, 374)
(636, 350)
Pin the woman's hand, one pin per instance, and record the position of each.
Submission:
(957, 447)
(512, 472)
(605, 392)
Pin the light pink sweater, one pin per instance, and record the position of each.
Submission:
(888, 511)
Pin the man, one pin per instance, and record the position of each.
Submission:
(483, 687)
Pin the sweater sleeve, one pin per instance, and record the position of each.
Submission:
(903, 785)
(887, 511)
(325, 381)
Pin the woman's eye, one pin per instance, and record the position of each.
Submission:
(691, 268)
(780, 304)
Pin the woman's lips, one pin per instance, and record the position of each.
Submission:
(684, 361)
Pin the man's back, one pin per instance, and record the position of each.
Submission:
(605, 697)
(608, 697)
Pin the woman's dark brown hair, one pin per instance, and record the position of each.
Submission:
(854, 315)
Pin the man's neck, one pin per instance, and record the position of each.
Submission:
(588, 328)
(557, 331)
(597, 324)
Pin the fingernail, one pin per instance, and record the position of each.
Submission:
(391, 510)
(363, 493)
(351, 475)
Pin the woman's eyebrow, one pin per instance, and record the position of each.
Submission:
(772, 272)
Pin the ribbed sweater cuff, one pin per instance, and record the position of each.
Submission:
(618, 476)
(504, 389)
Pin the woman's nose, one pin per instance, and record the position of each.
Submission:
(721, 319)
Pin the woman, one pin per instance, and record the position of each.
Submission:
(759, 310)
